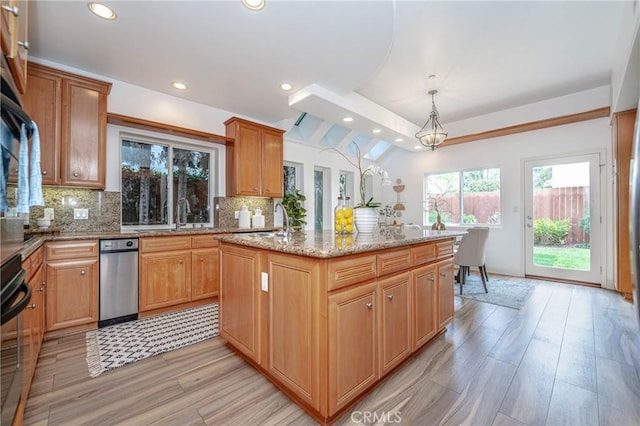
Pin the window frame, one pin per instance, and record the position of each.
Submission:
(214, 182)
(460, 172)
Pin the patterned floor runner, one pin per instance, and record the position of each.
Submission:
(120, 344)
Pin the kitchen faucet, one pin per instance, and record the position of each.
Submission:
(286, 231)
(182, 203)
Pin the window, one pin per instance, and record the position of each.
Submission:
(321, 192)
(464, 197)
(292, 177)
(156, 195)
(346, 184)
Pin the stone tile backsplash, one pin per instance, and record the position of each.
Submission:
(104, 208)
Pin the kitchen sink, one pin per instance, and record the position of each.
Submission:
(261, 234)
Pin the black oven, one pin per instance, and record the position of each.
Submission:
(14, 297)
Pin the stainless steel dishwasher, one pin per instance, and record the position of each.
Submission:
(118, 281)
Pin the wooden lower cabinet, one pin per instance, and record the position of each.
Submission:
(353, 340)
(166, 279)
(394, 316)
(425, 303)
(72, 293)
(327, 334)
(444, 271)
(239, 294)
(294, 342)
(205, 271)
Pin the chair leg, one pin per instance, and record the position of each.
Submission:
(484, 268)
(484, 281)
(463, 277)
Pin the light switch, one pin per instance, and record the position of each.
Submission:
(48, 213)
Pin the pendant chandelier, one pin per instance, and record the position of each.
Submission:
(432, 134)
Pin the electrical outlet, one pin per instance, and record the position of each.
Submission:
(81, 214)
(265, 281)
(48, 213)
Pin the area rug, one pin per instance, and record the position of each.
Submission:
(121, 344)
(511, 294)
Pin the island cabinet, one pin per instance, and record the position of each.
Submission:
(177, 271)
(254, 160)
(328, 329)
(71, 284)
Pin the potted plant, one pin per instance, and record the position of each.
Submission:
(293, 204)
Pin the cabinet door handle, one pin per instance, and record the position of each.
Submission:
(181, 262)
(83, 272)
(443, 275)
(369, 305)
(75, 174)
(41, 289)
(32, 306)
(12, 10)
(24, 44)
(44, 172)
(390, 297)
(43, 283)
(432, 279)
(202, 259)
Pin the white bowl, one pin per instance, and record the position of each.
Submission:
(43, 222)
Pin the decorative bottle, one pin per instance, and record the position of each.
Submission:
(343, 216)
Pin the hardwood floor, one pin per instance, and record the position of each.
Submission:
(570, 356)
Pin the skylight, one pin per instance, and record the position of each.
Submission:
(378, 149)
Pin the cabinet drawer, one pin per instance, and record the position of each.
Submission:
(156, 244)
(32, 263)
(393, 261)
(204, 241)
(422, 254)
(344, 272)
(71, 249)
(444, 248)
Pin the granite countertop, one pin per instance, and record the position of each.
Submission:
(39, 239)
(327, 244)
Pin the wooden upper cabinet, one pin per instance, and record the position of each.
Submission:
(622, 139)
(42, 102)
(15, 44)
(71, 114)
(84, 133)
(254, 160)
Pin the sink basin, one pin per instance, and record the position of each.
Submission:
(261, 234)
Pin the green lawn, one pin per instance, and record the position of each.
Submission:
(562, 257)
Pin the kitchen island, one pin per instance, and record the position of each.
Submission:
(325, 317)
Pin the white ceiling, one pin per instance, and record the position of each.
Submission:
(367, 58)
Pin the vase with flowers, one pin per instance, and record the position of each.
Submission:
(365, 213)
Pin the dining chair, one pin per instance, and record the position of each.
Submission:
(472, 252)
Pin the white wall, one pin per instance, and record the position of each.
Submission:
(506, 243)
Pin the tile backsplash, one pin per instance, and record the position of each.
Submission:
(104, 208)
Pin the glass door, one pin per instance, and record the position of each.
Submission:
(562, 218)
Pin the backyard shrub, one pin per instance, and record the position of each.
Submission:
(550, 232)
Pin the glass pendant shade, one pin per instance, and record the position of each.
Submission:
(432, 134)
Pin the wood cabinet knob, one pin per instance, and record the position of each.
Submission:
(390, 297)
(41, 289)
(369, 305)
(32, 306)
(24, 44)
(202, 259)
(44, 172)
(181, 262)
(75, 174)
(83, 272)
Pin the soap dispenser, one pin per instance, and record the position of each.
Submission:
(244, 217)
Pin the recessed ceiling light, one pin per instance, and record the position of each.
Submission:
(418, 147)
(102, 11)
(253, 4)
(376, 130)
(347, 119)
(178, 85)
(399, 139)
(286, 86)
